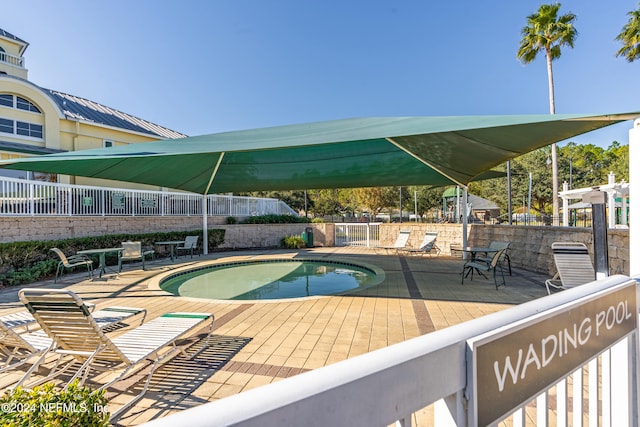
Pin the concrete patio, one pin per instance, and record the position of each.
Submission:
(259, 342)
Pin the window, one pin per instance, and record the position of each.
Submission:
(107, 144)
(29, 129)
(3, 55)
(6, 125)
(23, 104)
(6, 100)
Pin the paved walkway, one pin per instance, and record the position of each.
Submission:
(256, 343)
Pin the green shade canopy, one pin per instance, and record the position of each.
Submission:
(334, 154)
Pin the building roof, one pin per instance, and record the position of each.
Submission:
(8, 35)
(76, 108)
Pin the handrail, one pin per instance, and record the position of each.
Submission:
(380, 387)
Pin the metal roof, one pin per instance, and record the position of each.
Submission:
(76, 108)
(8, 35)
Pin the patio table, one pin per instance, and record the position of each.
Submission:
(102, 267)
(172, 244)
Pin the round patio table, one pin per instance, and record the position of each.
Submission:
(102, 267)
(172, 244)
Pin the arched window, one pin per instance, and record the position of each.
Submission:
(3, 55)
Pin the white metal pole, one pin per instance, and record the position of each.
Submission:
(464, 222)
(205, 227)
(634, 194)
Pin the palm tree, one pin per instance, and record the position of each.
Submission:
(630, 37)
(548, 32)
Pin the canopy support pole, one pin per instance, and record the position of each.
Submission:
(465, 197)
(205, 225)
(634, 194)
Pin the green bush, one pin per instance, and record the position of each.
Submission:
(292, 242)
(231, 220)
(46, 406)
(28, 262)
(275, 219)
(317, 220)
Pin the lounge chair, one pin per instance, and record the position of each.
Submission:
(428, 245)
(71, 262)
(401, 241)
(573, 264)
(190, 243)
(19, 343)
(123, 356)
(479, 266)
(133, 252)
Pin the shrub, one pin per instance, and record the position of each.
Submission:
(46, 406)
(317, 220)
(231, 220)
(28, 262)
(292, 242)
(275, 219)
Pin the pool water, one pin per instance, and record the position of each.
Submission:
(272, 279)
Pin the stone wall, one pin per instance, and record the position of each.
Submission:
(19, 229)
(530, 246)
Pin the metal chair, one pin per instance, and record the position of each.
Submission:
(133, 252)
(71, 262)
(190, 243)
(479, 266)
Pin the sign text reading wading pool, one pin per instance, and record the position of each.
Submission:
(518, 364)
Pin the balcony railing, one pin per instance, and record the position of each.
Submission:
(18, 61)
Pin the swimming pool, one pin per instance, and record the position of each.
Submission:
(271, 279)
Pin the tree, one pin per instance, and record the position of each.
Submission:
(548, 32)
(630, 37)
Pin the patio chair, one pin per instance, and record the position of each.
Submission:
(19, 344)
(71, 262)
(75, 333)
(133, 252)
(190, 243)
(479, 266)
(573, 264)
(401, 241)
(428, 245)
(495, 244)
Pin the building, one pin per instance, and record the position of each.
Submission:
(35, 120)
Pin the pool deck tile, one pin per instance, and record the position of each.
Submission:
(256, 343)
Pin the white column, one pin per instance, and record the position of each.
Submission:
(565, 205)
(611, 201)
(464, 222)
(205, 226)
(634, 193)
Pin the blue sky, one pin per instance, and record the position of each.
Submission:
(201, 67)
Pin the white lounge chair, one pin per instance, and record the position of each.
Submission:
(190, 244)
(71, 262)
(19, 343)
(573, 264)
(83, 339)
(428, 245)
(401, 241)
(133, 252)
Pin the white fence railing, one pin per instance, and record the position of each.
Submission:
(585, 370)
(357, 234)
(19, 197)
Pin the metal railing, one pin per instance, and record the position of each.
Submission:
(588, 366)
(19, 197)
(357, 234)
